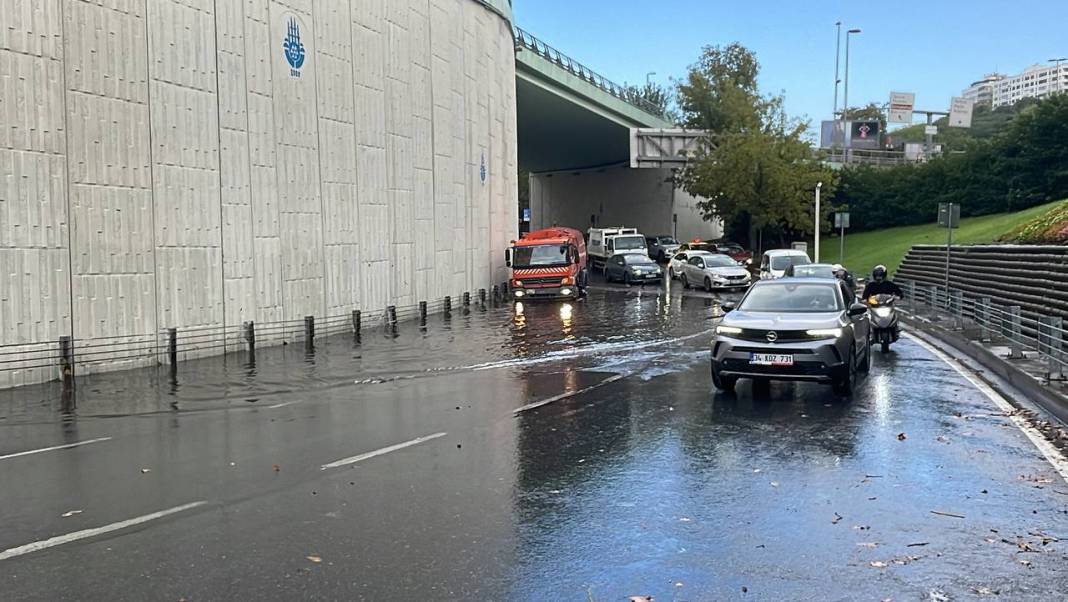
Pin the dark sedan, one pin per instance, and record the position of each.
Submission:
(632, 268)
(793, 329)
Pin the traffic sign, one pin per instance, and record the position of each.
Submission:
(901, 106)
(949, 215)
(841, 219)
(960, 113)
(930, 130)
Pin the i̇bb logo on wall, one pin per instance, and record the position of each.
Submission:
(292, 47)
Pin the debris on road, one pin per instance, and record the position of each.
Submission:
(315, 558)
(917, 544)
(71, 513)
(146, 470)
(902, 436)
(868, 544)
(879, 564)
(276, 468)
(837, 519)
(640, 599)
(774, 483)
(949, 514)
(985, 591)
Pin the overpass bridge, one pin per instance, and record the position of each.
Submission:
(597, 156)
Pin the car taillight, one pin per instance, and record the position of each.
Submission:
(567, 280)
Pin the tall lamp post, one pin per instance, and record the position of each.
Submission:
(816, 259)
(1057, 71)
(837, 54)
(845, 98)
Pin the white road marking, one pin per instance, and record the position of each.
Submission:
(379, 452)
(1051, 453)
(87, 533)
(54, 448)
(281, 405)
(543, 402)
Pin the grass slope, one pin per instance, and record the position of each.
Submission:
(866, 250)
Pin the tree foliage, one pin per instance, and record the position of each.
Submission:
(1024, 165)
(755, 170)
(655, 96)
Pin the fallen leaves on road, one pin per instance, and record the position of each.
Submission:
(902, 436)
(949, 514)
(1026, 563)
(937, 596)
(71, 513)
(774, 483)
(861, 527)
(837, 519)
(314, 558)
(899, 560)
(146, 470)
(943, 439)
(878, 564)
(1042, 479)
(985, 591)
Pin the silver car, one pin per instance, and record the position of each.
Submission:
(714, 271)
(793, 329)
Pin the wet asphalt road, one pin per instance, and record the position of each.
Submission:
(568, 452)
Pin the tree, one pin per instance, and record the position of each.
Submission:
(656, 98)
(755, 169)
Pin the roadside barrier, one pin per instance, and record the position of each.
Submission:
(1010, 294)
(67, 357)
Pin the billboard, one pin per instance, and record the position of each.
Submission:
(901, 106)
(832, 134)
(864, 134)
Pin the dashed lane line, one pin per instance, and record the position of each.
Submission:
(555, 398)
(54, 448)
(87, 533)
(379, 452)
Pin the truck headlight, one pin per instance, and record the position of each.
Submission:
(519, 294)
(882, 312)
(565, 292)
(825, 333)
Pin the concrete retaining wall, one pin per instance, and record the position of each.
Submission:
(163, 164)
(618, 196)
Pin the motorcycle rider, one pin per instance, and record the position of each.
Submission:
(847, 277)
(880, 284)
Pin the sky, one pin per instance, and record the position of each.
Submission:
(934, 48)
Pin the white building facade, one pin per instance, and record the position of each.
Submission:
(1037, 81)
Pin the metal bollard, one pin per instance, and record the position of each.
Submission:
(446, 306)
(66, 358)
(982, 316)
(482, 296)
(391, 316)
(496, 293)
(250, 336)
(422, 313)
(955, 300)
(504, 289)
(1056, 348)
(467, 299)
(172, 348)
(309, 332)
(1015, 332)
(357, 318)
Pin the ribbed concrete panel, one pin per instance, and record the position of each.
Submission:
(197, 176)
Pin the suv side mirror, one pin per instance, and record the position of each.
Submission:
(508, 257)
(727, 306)
(857, 309)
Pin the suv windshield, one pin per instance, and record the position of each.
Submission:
(781, 262)
(792, 298)
(628, 243)
(541, 255)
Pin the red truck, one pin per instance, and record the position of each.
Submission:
(548, 264)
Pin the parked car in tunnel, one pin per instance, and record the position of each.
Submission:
(714, 271)
(793, 329)
(633, 268)
(661, 247)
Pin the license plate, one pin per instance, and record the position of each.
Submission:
(771, 359)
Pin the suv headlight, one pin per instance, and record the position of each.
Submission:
(728, 330)
(825, 333)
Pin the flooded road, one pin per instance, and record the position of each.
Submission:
(542, 452)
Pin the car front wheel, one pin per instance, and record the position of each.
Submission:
(865, 366)
(685, 283)
(847, 381)
(708, 285)
(723, 383)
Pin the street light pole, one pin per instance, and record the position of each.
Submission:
(845, 98)
(837, 55)
(817, 222)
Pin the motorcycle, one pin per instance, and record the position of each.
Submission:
(883, 320)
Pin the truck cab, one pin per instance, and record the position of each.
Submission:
(548, 264)
(606, 242)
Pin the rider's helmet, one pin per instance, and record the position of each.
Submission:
(879, 273)
(839, 271)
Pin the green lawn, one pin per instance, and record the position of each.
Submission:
(865, 250)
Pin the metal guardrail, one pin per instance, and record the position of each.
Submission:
(524, 40)
(989, 321)
(61, 359)
(867, 157)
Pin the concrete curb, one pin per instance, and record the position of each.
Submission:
(1038, 393)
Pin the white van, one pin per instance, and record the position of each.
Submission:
(774, 263)
(606, 242)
